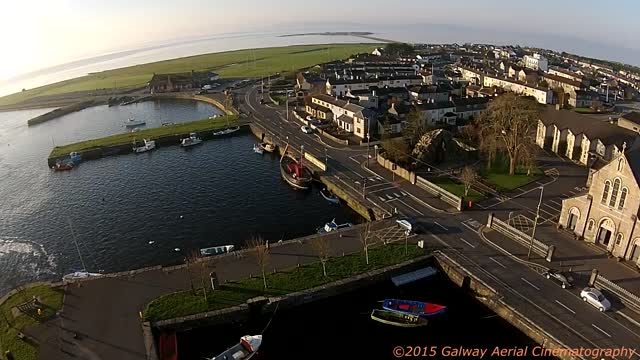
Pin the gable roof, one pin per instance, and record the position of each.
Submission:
(633, 159)
(633, 116)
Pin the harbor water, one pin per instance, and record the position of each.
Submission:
(133, 210)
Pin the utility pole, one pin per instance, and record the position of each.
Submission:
(535, 224)
(364, 187)
(368, 142)
(326, 158)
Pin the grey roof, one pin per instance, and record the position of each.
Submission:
(470, 101)
(435, 105)
(633, 158)
(633, 116)
(353, 107)
(346, 119)
(593, 128)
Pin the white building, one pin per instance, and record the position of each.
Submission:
(542, 95)
(536, 62)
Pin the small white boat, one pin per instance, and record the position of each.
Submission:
(79, 275)
(217, 250)
(148, 146)
(131, 123)
(332, 226)
(168, 124)
(214, 116)
(226, 131)
(268, 147)
(193, 139)
(329, 196)
(257, 149)
(244, 350)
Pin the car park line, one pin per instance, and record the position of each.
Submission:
(565, 306)
(528, 282)
(443, 228)
(468, 243)
(497, 262)
(602, 331)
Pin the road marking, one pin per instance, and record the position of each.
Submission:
(403, 193)
(555, 202)
(411, 207)
(396, 195)
(633, 321)
(602, 331)
(443, 228)
(389, 196)
(381, 198)
(527, 281)
(357, 162)
(468, 243)
(497, 262)
(565, 306)
(539, 183)
(468, 226)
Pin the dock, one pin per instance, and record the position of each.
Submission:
(413, 276)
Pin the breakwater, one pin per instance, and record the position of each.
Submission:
(63, 111)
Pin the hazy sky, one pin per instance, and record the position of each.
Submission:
(43, 33)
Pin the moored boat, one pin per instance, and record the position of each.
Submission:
(413, 307)
(217, 250)
(398, 319)
(226, 131)
(63, 165)
(268, 147)
(193, 139)
(293, 171)
(332, 226)
(79, 275)
(329, 196)
(168, 346)
(132, 123)
(75, 156)
(148, 146)
(257, 149)
(244, 350)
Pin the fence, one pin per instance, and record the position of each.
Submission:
(400, 171)
(626, 297)
(441, 193)
(520, 237)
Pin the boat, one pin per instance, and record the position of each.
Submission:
(83, 273)
(226, 131)
(168, 346)
(132, 123)
(413, 307)
(257, 149)
(398, 319)
(329, 196)
(63, 165)
(214, 116)
(75, 156)
(168, 124)
(332, 226)
(193, 139)
(244, 350)
(217, 250)
(148, 146)
(293, 171)
(268, 147)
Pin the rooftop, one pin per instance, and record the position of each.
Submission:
(633, 116)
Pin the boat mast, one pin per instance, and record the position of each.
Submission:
(301, 155)
(73, 235)
(284, 152)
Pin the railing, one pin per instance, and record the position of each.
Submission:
(441, 193)
(520, 237)
(626, 297)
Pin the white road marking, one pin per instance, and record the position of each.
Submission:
(443, 228)
(357, 162)
(632, 320)
(403, 193)
(381, 198)
(555, 202)
(411, 207)
(468, 226)
(565, 306)
(396, 194)
(602, 331)
(527, 281)
(468, 243)
(497, 262)
(389, 196)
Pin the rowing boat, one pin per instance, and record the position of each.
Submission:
(397, 319)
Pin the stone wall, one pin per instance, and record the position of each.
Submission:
(400, 171)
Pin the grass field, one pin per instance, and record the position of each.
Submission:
(499, 176)
(21, 349)
(241, 63)
(296, 279)
(457, 189)
(129, 137)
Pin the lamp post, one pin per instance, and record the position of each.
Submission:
(375, 148)
(535, 223)
(368, 142)
(364, 187)
(287, 102)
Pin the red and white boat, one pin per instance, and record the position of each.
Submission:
(244, 350)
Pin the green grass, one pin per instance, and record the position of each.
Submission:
(128, 137)
(51, 297)
(499, 176)
(228, 64)
(584, 110)
(281, 283)
(457, 189)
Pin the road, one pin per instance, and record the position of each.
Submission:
(562, 313)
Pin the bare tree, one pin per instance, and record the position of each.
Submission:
(528, 158)
(322, 248)
(396, 150)
(510, 120)
(261, 252)
(365, 232)
(468, 177)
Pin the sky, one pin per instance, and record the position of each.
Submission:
(42, 33)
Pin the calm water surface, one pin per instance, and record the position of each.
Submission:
(217, 193)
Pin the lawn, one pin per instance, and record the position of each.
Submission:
(457, 189)
(52, 300)
(296, 279)
(499, 176)
(129, 137)
(240, 63)
(584, 110)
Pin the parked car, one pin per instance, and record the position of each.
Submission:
(563, 279)
(306, 129)
(594, 297)
(409, 225)
(309, 118)
(314, 121)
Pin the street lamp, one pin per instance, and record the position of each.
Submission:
(368, 142)
(535, 224)
(364, 187)
(287, 103)
(375, 148)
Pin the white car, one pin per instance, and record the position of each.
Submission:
(595, 298)
(309, 118)
(306, 129)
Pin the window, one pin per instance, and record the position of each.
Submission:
(605, 192)
(620, 164)
(591, 223)
(614, 193)
(619, 239)
(623, 197)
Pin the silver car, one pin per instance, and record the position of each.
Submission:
(594, 297)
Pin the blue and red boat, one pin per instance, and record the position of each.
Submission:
(413, 307)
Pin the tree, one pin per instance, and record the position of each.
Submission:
(261, 252)
(396, 150)
(543, 83)
(398, 49)
(468, 177)
(509, 125)
(365, 231)
(322, 248)
(529, 159)
(414, 128)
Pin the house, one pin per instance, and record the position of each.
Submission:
(536, 62)
(377, 51)
(528, 76)
(431, 92)
(541, 94)
(366, 98)
(556, 81)
(175, 82)
(389, 123)
(335, 86)
(309, 82)
(583, 98)
(470, 107)
(350, 117)
(607, 214)
(580, 137)
(318, 111)
(630, 121)
(433, 113)
(566, 73)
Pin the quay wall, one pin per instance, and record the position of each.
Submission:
(56, 113)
